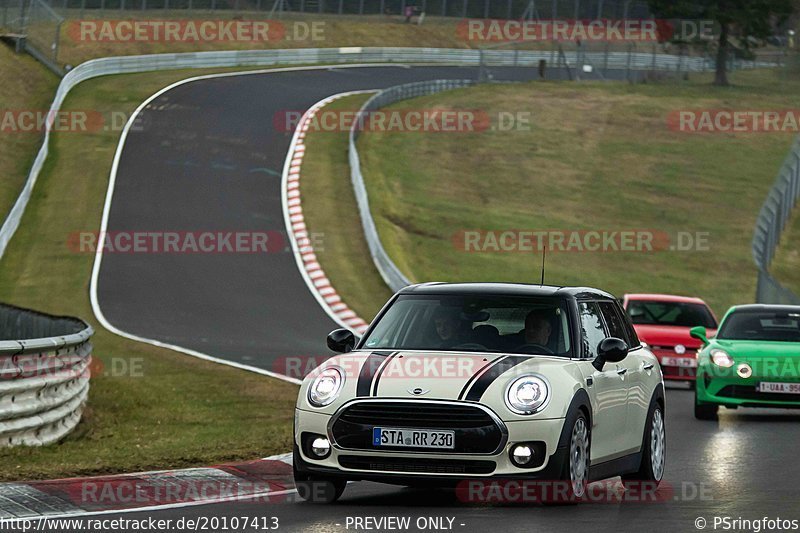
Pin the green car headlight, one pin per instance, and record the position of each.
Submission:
(721, 358)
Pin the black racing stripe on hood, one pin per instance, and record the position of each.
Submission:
(488, 377)
(477, 374)
(380, 373)
(368, 371)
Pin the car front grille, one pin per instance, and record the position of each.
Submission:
(416, 466)
(476, 431)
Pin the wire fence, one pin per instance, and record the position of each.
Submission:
(509, 9)
(772, 220)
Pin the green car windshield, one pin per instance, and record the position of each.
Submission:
(474, 324)
(761, 326)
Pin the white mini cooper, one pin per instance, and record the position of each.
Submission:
(483, 381)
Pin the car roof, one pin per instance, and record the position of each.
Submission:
(767, 308)
(665, 298)
(504, 289)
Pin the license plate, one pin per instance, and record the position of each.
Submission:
(414, 438)
(785, 388)
(683, 362)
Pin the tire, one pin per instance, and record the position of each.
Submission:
(654, 452)
(706, 411)
(318, 490)
(575, 473)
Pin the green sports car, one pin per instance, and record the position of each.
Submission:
(754, 360)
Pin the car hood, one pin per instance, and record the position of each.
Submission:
(751, 350)
(429, 375)
(668, 335)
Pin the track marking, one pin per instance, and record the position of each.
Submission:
(98, 313)
(302, 247)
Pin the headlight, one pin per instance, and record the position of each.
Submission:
(326, 387)
(527, 395)
(721, 358)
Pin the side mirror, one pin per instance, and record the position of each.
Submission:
(699, 332)
(610, 350)
(342, 340)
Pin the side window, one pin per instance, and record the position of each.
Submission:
(616, 327)
(592, 331)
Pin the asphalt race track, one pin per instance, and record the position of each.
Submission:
(741, 467)
(207, 158)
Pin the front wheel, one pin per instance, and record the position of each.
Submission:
(575, 475)
(654, 451)
(705, 411)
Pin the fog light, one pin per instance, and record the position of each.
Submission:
(521, 454)
(321, 447)
(744, 370)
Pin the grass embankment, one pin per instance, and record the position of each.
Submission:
(598, 156)
(148, 408)
(329, 208)
(292, 31)
(26, 85)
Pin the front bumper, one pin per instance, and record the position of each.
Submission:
(430, 467)
(724, 387)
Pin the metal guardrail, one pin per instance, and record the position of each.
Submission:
(255, 58)
(44, 376)
(390, 273)
(772, 219)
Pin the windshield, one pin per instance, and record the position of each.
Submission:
(761, 326)
(670, 314)
(474, 324)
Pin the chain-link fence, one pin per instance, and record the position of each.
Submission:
(771, 221)
(510, 9)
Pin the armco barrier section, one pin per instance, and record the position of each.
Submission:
(44, 376)
(772, 219)
(256, 58)
(391, 275)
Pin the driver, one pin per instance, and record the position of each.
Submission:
(537, 327)
(447, 327)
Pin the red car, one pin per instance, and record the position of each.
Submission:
(663, 321)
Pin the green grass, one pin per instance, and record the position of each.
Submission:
(333, 31)
(329, 208)
(171, 410)
(26, 86)
(598, 156)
